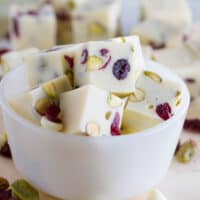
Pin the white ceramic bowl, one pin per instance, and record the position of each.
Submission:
(83, 168)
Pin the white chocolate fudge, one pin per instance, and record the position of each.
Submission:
(109, 65)
(32, 27)
(33, 104)
(91, 111)
(191, 38)
(174, 57)
(158, 34)
(47, 65)
(156, 99)
(15, 58)
(155, 195)
(175, 12)
(96, 21)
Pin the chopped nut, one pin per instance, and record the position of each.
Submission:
(4, 184)
(54, 126)
(92, 129)
(137, 96)
(108, 115)
(153, 76)
(42, 104)
(24, 191)
(94, 63)
(114, 101)
(186, 151)
(50, 90)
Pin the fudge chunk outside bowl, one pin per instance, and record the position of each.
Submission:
(85, 168)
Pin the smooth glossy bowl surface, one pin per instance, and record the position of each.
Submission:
(83, 168)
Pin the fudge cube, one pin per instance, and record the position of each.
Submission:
(96, 21)
(175, 12)
(33, 104)
(47, 65)
(174, 57)
(91, 111)
(28, 26)
(191, 38)
(14, 59)
(22, 105)
(158, 34)
(109, 65)
(155, 100)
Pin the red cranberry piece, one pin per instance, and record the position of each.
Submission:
(190, 80)
(5, 194)
(33, 12)
(115, 129)
(84, 56)
(104, 52)
(185, 38)
(52, 113)
(164, 111)
(3, 51)
(70, 61)
(5, 151)
(157, 46)
(106, 63)
(192, 125)
(63, 16)
(16, 27)
(121, 68)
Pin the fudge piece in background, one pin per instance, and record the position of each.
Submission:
(176, 12)
(191, 38)
(95, 21)
(158, 34)
(31, 26)
(110, 65)
(155, 100)
(91, 111)
(14, 59)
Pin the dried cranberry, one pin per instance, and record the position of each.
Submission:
(70, 61)
(106, 63)
(16, 27)
(5, 151)
(63, 16)
(192, 125)
(115, 129)
(121, 68)
(52, 113)
(104, 52)
(84, 56)
(157, 46)
(33, 12)
(5, 194)
(190, 80)
(164, 111)
(185, 38)
(3, 51)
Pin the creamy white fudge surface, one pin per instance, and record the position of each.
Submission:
(191, 38)
(91, 111)
(109, 65)
(157, 33)
(33, 104)
(155, 195)
(174, 57)
(156, 99)
(96, 21)
(47, 65)
(176, 12)
(32, 27)
(14, 59)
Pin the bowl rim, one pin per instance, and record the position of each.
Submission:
(147, 132)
